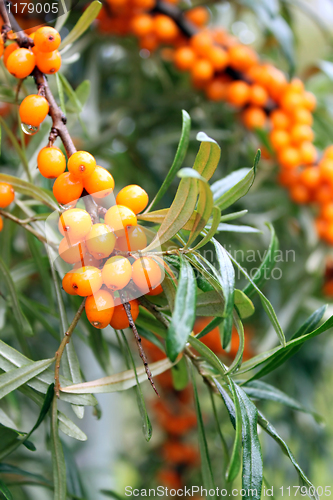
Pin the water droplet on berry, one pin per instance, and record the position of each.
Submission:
(29, 129)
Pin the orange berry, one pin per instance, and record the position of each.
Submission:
(46, 39)
(149, 42)
(48, 62)
(289, 157)
(328, 236)
(81, 164)
(321, 227)
(254, 118)
(280, 139)
(119, 319)
(310, 177)
(120, 217)
(238, 93)
(33, 110)
(218, 57)
(7, 194)
(301, 133)
(300, 194)
(133, 197)
(217, 89)
(155, 291)
(258, 95)
(242, 57)
(296, 85)
(67, 284)
(100, 241)
(67, 188)
(288, 178)
(291, 100)
(8, 50)
(146, 274)
(201, 42)
(75, 224)
(51, 162)
(89, 260)
(100, 183)
(1, 223)
(72, 252)
(21, 63)
(328, 152)
(279, 119)
(86, 281)
(142, 24)
(99, 308)
(309, 101)
(327, 211)
(184, 58)
(328, 287)
(198, 16)
(134, 240)
(117, 272)
(308, 153)
(202, 70)
(165, 28)
(302, 116)
(326, 169)
(323, 193)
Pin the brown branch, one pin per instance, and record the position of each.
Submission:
(6, 27)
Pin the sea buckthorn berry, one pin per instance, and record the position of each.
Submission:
(144, 4)
(133, 197)
(288, 178)
(89, 260)
(7, 194)
(155, 291)
(329, 233)
(72, 252)
(75, 224)
(149, 42)
(201, 42)
(1, 223)
(165, 28)
(198, 16)
(258, 95)
(48, 62)
(289, 157)
(67, 188)
(51, 162)
(8, 50)
(120, 217)
(328, 152)
(67, 284)
(323, 193)
(99, 308)
(310, 177)
(119, 319)
(309, 101)
(297, 85)
(291, 100)
(86, 281)
(202, 70)
(100, 183)
(300, 194)
(238, 93)
(33, 110)
(242, 57)
(326, 169)
(321, 227)
(279, 119)
(302, 116)
(134, 240)
(117, 272)
(146, 274)
(218, 57)
(21, 63)
(100, 241)
(46, 39)
(254, 117)
(308, 153)
(280, 139)
(301, 133)
(184, 58)
(81, 164)
(142, 24)
(327, 211)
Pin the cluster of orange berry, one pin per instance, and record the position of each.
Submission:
(103, 253)
(7, 196)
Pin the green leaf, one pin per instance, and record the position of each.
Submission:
(239, 355)
(236, 456)
(5, 491)
(233, 216)
(206, 467)
(76, 106)
(267, 265)
(208, 156)
(35, 249)
(11, 469)
(73, 477)
(112, 494)
(45, 408)
(15, 378)
(88, 16)
(234, 186)
(61, 93)
(58, 460)
(231, 228)
(180, 375)
(243, 304)
(28, 189)
(211, 325)
(183, 316)
(178, 160)
(32, 307)
(149, 322)
(208, 355)
(10, 439)
(18, 315)
(216, 216)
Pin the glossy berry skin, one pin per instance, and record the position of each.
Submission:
(100, 183)
(146, 274)
(33, 110)
(67, 285)
(86, 280)
(100, 241)
(7, 194)
(117, 272)
(46, 39)
(72, 252)
(67, 188)
(119, 319)
(134, 240)
(99, 308)
(48, 62)
(9, 50)
(155, 291)
(120, 217)
(81, 164)
(133, 197)
(75, 224)
(51, 162)
(21, 63)
(184, 58)
(1, 224)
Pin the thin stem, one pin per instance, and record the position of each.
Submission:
(153, 309)
(24, 224)
(63, 344)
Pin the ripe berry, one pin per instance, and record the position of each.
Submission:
(46, 39)
(72, 252)
(117, 272)
(89, 260)
(309, 101)
(328, 152)
(238, 93)
(254, 118)
(133, 197)
(120, 217)
(300, 194)
(67, 284)
(1, 223)
(134, 240)
(301, 133)
(201, 42)
(302, 116)
(310, 177)
(142, 24)
(279, 119)
(81, 164)
(33, 110)
(86, 281)
(289, 157)
(99, 308)
(218, 57)
(258, 95)
(7, 194)
(146, 274)
(100, 183)
(75, 224)
(242, 57)
(326, 169)
(165, 28)
(67, 188)
(48, 62)
(217, 89)
(184, 58)
(280, 139)
(51, 162)
(198, 16)
(308, 153)
(202, 70)
(119, 319)
(291, 100)
(21, 63)
(8, 50)
(100, 241)
(155, 291)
